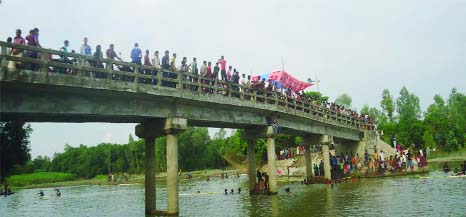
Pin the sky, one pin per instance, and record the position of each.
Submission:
(357, 47)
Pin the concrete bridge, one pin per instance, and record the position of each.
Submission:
(164, 104)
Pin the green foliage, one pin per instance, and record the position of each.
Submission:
(387, 105)
(38, 178)
(14, 146)
(443, 127)
(344, 100)
(316, 96)
(429, 140)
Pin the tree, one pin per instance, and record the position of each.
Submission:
(457, 115)
(408, 107)
(387, 104)
(14, 146)
(344, 100)
(436, 122)
(316, 96)
(409, 111)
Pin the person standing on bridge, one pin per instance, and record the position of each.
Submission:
(136, 54)
(216, 70)
(223, 65)
(173, 74)
(165, 66)
(111, 54)
(156, 60)
(15, 51)
(85, 50)
(195, 73)
(33, 40)
(147, 62)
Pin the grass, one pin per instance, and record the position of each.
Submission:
(39, 178)
(439, 155)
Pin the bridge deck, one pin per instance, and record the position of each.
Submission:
(60, 92)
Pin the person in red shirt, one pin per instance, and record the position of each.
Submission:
(16, 51)
(223, 65)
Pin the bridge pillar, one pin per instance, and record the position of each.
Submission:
(307, 141)
(307, 157)
(150, 130)
(172, 127)
(271, 161)
(251, 166)
(326, 140)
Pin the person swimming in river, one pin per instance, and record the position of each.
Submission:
(446, 168)
(41, 193)
(57, 192)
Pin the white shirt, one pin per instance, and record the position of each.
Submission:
(156, 62)
(242, 81)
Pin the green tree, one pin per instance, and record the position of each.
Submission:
(316, 96)
(344, 100)
(457, 115)
(387, 104)
(408, 107)
(436, 122)
(14, 146)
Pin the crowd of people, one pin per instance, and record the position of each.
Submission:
(209, 77)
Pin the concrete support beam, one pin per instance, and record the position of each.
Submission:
(149, 130)
(326, 140)
(149, 180)
(307, 141)
(172, 175)
(251, 166)
(307, 157)
(273, 189)
(173, 126)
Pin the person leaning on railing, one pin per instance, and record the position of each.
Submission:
(16, 52)
(33, 40)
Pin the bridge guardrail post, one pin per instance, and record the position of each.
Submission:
(159, 77)
(180, 81)
(4, 62)
(136, 75)
(215, 86)
(199, 83)
(80, 72)
(109, 67)
(45, 66)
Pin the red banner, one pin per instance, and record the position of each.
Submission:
(288, 81)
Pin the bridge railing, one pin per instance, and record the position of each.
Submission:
(71, 64)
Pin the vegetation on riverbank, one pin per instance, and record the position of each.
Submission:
(440, 156)
(39, 178)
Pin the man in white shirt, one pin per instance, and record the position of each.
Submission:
(156, 60)
(243, 82)
(85, 50)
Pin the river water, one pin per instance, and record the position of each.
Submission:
(433, 194)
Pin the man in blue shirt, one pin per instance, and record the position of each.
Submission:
(136, 54)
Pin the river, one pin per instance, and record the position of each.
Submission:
(433, 194)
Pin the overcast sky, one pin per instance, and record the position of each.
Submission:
(354, 47)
